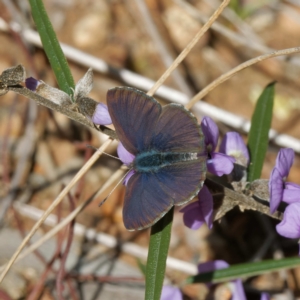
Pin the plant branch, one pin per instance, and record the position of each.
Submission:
(64, 109)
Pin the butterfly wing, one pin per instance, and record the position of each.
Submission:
(177, 130)
(145, 201)
(149, 196)
(134, 115)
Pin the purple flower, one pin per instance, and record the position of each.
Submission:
(236, 287)
(278, 188)
(31, 83)
(127, 158)
(217, 163)
(233, 145)
(101, 115)
(197, 213)
(290, 225)
(171, 293)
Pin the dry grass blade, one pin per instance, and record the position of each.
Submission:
(70, 217)
(188, 48)
(59, 198)
(235, 70)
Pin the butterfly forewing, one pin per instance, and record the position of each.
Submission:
(178, 130)
(134, 115)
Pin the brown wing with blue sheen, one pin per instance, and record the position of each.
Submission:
(149, 196)
(145, 201)
(134, 115)
(178, 130)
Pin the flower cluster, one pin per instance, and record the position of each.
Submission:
(288, 192)
(232, 149)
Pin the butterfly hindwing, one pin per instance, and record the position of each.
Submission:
(145, 202)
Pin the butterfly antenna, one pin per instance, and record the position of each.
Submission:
(92, 147)
(104, 200)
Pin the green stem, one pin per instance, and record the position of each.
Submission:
(157, 256)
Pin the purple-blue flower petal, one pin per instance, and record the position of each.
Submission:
(31, 83)
(291, 195)
(192, 216)
(292, 186)
(211, 133)
(284, 161)
(238, 292)
(171, 293)
(101, 115)
(275, 189)
(265, 296)
(213, 265)
(206, 203)
(290, 225)
(233, 145)
(197, 213)
(125, 156)
(127, 177)
(220, 164)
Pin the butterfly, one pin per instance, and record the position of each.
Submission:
(170, 155)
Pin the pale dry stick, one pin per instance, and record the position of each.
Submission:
(188, 48)
(166, 57)
(58, 199)
(69, 218)
(240, 67)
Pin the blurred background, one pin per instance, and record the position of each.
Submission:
(131, 43)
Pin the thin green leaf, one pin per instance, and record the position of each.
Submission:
(52, 48)
(141, 266)
(245, 270)
(259, 131)
(157, 256)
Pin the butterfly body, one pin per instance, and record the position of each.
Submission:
(152, 161)
(170, 155)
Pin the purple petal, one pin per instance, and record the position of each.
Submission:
(211, 133)
(126, 157)
(265, 296)
(233, 145)
(238, 292)
(31, 83)
(284, 161)
(291, 195)
(206, 205)
(127, 177)
(197, 213)
(212, 266)
(290, 225)
(101, 115)
(192, 216)
(291, 192)
(220, 164)
(275, 189)
(291, 186)
(171, 293)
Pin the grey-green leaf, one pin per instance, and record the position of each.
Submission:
(259, 131)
